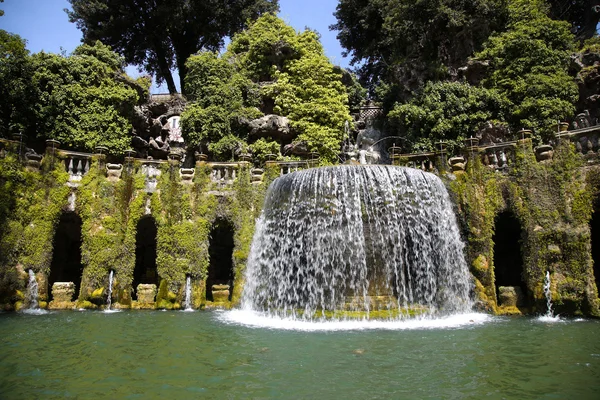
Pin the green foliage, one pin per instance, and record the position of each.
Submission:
(18, 92)
(82, 103)
(405, 43)
(583, 15)
(161, 34)
(271, 67)
(448, 111)
(262, 147)
(528, 66)
(29, 213)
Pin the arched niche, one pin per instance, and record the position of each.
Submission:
(595, 238)
(220, 269)
(145, 254)
(508, 257)
(66, 265)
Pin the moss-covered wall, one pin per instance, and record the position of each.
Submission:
(553, 203)
(30, 206)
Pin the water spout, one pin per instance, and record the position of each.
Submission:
(548, 293)
(187, 302)
(32, 297)
(110, 286)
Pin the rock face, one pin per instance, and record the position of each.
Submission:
(271, 125)
(510, 296)
(146, 293)
(62, 295)
(220, 293)
(151, 129)
(587, 66)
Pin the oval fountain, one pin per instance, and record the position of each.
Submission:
(356, 243)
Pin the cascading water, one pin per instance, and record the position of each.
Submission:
(110, 286)
(357, 241)
(548, 293)
(31, 299)
(187, 302)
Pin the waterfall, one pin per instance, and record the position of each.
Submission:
(31, 299)
(187, 302)
(357, 241)
(110, 286)
(548, 293)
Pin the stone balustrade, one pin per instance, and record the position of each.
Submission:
(76, 164)
(287, 167)
(499, 156)
(586, 141)
(224, 173)
(422, 161)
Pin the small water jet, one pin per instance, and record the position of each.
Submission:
(548, 294)
(353, 242)
(187, 301)
(32, 296)
(110, 287)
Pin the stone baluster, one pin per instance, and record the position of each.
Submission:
(70, 166)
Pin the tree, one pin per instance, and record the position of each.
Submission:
(18, 92)
(528, 66)
(160, 35)
(407, 42)
(445, 111)
(583, 15)
(267, 69)
(85, 100)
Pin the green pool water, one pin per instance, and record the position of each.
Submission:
(188, 355)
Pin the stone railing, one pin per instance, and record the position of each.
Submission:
(422, 161)
(499, 156)
(586, 141)
(224, 173)
(287, 167)
(76, 164)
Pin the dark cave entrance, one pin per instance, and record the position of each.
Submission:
(66, 265)
(508, 259)
(145, 254)
(220, 251)
(595, 233)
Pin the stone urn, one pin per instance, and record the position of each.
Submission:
(33, 161)
(457, 164)
(187, 174)
(114, 171)
(544, 153)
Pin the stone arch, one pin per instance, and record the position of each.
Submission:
(595, 240)
(508, 259)
(66, 264)
(145, 270)
(220, 268)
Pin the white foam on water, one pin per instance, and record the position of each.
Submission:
(549, 319)
(111, 311)
(258, 320)
(35, 311)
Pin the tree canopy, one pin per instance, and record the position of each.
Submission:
(18, 91)
(267, 69)
(583, 15)
(407, 42)
(529, 66)
(160, 35)
(85, 99)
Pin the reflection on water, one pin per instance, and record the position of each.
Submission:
(209, 355)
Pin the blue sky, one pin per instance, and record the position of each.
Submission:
(45, 25)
